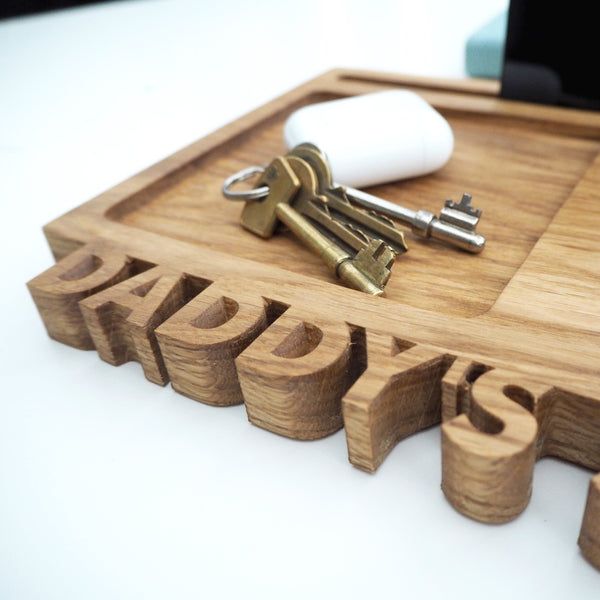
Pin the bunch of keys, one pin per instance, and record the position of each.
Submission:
(359, 247)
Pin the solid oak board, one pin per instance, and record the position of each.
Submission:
(502, 347)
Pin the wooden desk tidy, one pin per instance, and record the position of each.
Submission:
(502, 347)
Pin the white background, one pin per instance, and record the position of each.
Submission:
(113, 487)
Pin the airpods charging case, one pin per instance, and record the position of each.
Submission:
(374, 138)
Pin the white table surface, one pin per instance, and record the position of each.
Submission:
(113, 487)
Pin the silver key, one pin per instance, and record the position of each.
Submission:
(456, 224)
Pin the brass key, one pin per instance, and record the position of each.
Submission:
(455, 225)
(375, 253)
(261, 216)
(328, 205)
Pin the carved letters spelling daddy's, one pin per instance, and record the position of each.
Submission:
(225, 342)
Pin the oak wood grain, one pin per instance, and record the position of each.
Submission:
(504, 347)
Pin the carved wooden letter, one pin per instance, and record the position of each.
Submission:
(201, 341)
(57, 291)
(294, 375)
(398, 395)
(589, 537)
(488, 456)
(121, 319)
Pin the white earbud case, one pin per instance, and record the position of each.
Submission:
(374, 138)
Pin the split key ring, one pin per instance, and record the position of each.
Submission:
(245, 195)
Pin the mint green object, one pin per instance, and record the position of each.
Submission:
(485, 49)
